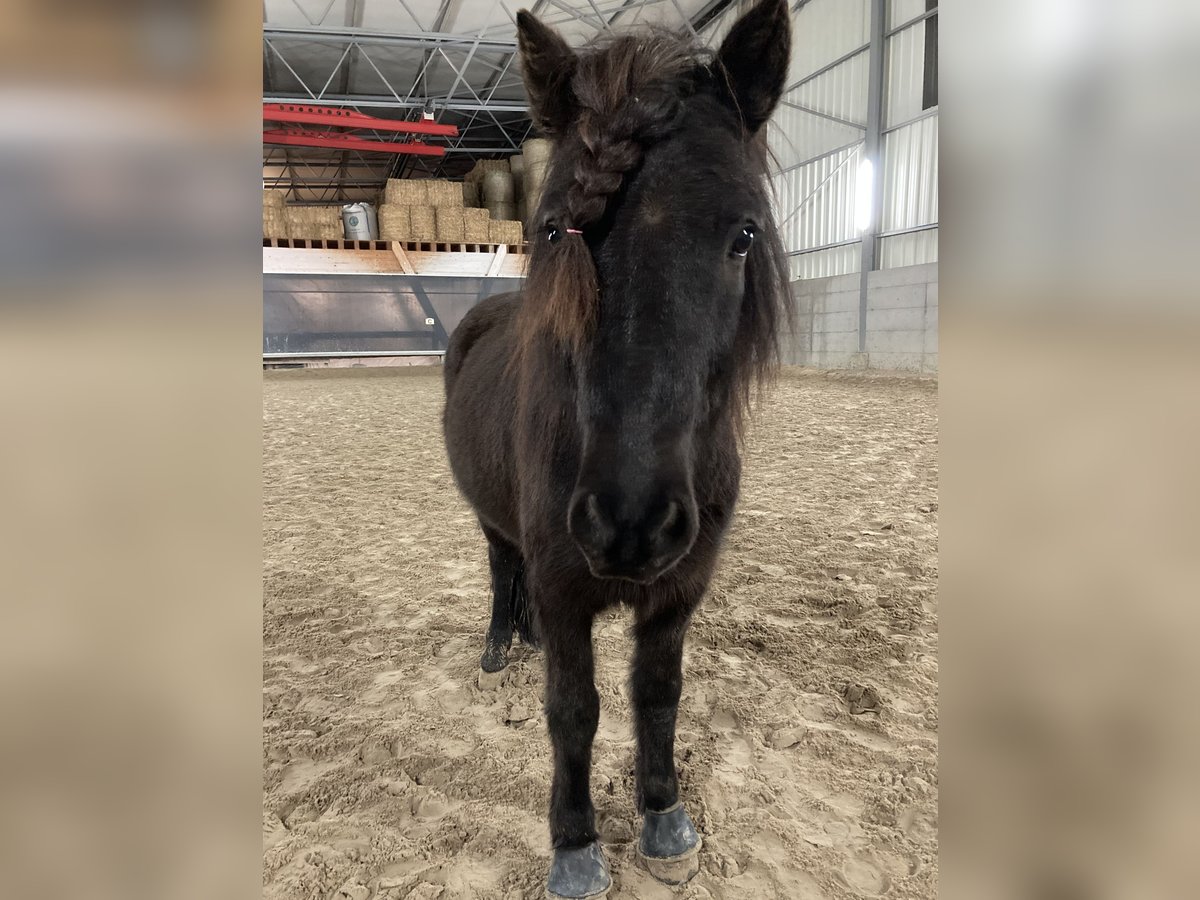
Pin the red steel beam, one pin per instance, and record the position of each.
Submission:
(300, 138)
(302, 114)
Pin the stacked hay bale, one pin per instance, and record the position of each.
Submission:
(394, 223)
(274, 197)
(449, 212)
(535, 161)
(516, 165)
(502, 232)
(274, 218)
(322, 223)
(498, 195)
(475, 226)
(483, 166)
(406, 192)
(449, 222)
(424, 223)
(421, 210)
(501, 187)
(445, 195)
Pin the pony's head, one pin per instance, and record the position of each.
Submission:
(656, 269)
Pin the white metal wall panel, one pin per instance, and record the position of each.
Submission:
(905, 56)
(824, 30)
(841, 92)
(908, 249)
(910, 175)
(795, 136)
(825, 263)
(900, 11)
(816, 201)
(716, 30)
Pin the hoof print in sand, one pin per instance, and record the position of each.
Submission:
(862, 699)
(490, 681)
(518, 714)
(374, 751)
(352, 891)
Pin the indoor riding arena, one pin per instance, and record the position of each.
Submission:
(807, 734)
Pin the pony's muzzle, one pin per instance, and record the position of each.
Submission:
(629, 538)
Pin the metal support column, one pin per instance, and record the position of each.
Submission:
(872, 151)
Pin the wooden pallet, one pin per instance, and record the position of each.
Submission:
(412, 246)
(394, 258)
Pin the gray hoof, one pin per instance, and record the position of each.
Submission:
(495, 657)
(669, 847)
(579, 873)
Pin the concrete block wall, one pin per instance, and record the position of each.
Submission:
(902, 321)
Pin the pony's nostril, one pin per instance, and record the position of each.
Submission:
(675, 526)
(622, 537)
(589, 523)
(671, 517)
(595, 516)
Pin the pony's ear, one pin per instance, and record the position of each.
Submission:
(547, 64)
(754, 59)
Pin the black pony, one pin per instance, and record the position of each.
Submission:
(593, 421)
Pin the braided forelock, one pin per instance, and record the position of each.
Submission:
(628, 94)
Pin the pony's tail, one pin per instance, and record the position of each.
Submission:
(522, 611)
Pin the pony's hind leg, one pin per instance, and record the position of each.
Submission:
(507, 566)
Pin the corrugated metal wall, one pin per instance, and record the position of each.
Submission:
(817, 138)
(910, 194)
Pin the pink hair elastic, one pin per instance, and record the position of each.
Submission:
(574, 231)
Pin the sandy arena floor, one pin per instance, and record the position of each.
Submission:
(808, 729)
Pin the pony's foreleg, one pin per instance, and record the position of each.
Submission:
(572, 714)
(669, 845)
(505, 561)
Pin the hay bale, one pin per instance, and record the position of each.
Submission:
(475, 226)
(275, 223)
(483, 166)
(424, 223)
(535, 181)
(500, 211)
(445, 194)
(535, 151)
(532, 202)
(330, 226)
(301, 222)
(516, 165)
(394, 223)
(406, 192)
(502, 232)
(449, 222)
(498, 187)
(273, 197)
(296, 218)
(470, 194)
(315, 222)
(534, 177)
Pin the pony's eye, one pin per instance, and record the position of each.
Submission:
(741, 243)
(553, 234)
